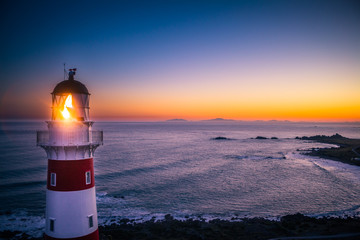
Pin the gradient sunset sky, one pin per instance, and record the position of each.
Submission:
(157, 60)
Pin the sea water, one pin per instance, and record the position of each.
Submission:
(148, 170)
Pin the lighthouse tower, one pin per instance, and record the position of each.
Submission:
(70, 144)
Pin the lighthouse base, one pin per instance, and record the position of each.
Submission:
(92, 236)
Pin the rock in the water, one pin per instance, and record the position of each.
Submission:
(221, 138)
(261, 137)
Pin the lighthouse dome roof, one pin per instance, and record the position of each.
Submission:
(70, 86)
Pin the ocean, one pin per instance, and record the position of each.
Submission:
(146, 170)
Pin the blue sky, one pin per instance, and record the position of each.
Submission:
(136, 53)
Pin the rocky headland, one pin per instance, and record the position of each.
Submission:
(347, 151)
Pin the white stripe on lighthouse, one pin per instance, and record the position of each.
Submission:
(73, 214)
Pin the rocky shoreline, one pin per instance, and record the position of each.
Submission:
(287, 227)
(346, 152)
(296, 225)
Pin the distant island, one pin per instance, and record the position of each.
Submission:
(219, 120)
(177, 120)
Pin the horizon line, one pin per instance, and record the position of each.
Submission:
(181, 120)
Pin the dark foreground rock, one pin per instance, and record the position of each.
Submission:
(347, 152)
(253, 228)
(296, 225)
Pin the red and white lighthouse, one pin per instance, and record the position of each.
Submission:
(70, 144)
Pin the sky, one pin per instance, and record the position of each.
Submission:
(157, 60)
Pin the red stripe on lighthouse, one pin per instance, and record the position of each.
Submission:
(70, 175)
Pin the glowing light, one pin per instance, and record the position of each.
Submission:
(68, 104)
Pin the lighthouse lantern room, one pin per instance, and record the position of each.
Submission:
(70, 144)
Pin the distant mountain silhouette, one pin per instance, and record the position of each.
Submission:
(219, 120)
(177, 120)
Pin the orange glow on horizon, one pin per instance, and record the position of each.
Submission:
(294, 92)
(293, 106)
(237, 111)
(324, 94)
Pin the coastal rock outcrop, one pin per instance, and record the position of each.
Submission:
(221, 138)
(346, 152)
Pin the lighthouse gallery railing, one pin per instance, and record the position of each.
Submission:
(70, 138)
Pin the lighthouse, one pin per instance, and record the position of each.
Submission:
(70, 144)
